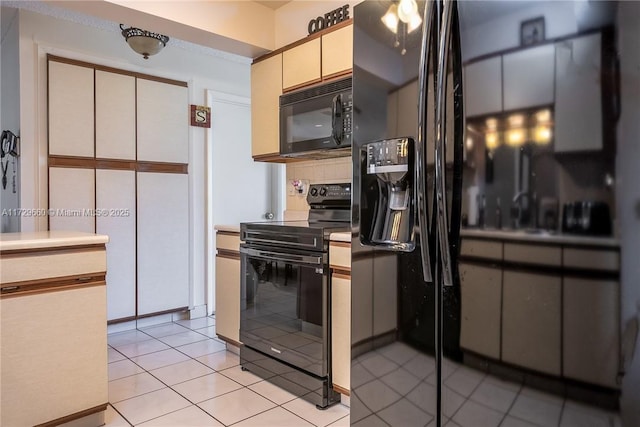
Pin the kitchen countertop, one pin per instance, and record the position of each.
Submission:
(344, 236)
(228, 228)
(543, 238)
(48, 239)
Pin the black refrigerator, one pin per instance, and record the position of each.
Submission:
(479, 126)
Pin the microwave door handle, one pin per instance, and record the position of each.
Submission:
(440, 149)
(337, 119)
(421, 144)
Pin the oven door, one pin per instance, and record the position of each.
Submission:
(284, 306)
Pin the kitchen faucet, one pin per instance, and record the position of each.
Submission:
(517, 208)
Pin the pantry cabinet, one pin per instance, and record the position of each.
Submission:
(127, 163)
(115, 116)
(71, 102)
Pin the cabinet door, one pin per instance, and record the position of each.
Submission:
(483, 87)
(341, 331)
(481, 300)
(163, 122)
(528, 77)
(337, 52)
(72, 210)
(116, 198)
(163, 242)
(228, 298)
(591, 337)
(115, 116)
(266, 88)
(71, 121)
(301, 64)
(578, 95)
(531, 321)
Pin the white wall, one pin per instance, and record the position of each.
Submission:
(203, 70)
(628, 191)
(292, 19)
(10, 114)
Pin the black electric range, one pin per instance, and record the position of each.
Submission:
(285, 296)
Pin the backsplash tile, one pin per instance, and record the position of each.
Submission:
(327, 171)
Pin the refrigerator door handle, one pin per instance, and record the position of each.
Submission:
(440, 149)
(421, 145)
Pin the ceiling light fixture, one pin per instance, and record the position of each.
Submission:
(390, 19)
(144, 42)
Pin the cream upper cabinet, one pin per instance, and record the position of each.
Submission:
(301, 64)
(528, 77)
(483, 87)
(337, 51)
(163, 122)
(115, 116)
(578, 94)
(266, 88)
(71, 103)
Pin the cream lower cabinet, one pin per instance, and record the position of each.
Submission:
(228, 287)
(54, 334)
(481, 299)
(340, 259)
(531, 321)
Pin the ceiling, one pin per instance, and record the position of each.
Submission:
(273, 4)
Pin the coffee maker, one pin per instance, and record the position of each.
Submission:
(387, 213)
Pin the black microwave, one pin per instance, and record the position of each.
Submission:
(317, 121)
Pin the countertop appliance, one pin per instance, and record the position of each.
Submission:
(408, 146)
(586, 217)
(316, 122)
(285, 301)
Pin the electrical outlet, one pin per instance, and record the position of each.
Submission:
(298, 187)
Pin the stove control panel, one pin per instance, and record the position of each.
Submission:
(322, 194)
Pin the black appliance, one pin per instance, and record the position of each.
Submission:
(586, 217)
(316, 122)
(285, 296)
(409, 144)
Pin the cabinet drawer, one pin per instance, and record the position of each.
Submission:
(40, 265)
(481, 249)
(340, 255)
(592, 259)
(533, 254)
(228, 241)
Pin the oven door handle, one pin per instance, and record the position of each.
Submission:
(255, 236)
(284, 257)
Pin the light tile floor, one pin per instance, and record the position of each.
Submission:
(405, 396)
(179, 374)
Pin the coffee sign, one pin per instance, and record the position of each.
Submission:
(329, 19)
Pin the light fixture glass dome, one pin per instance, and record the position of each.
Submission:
(146, 43)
